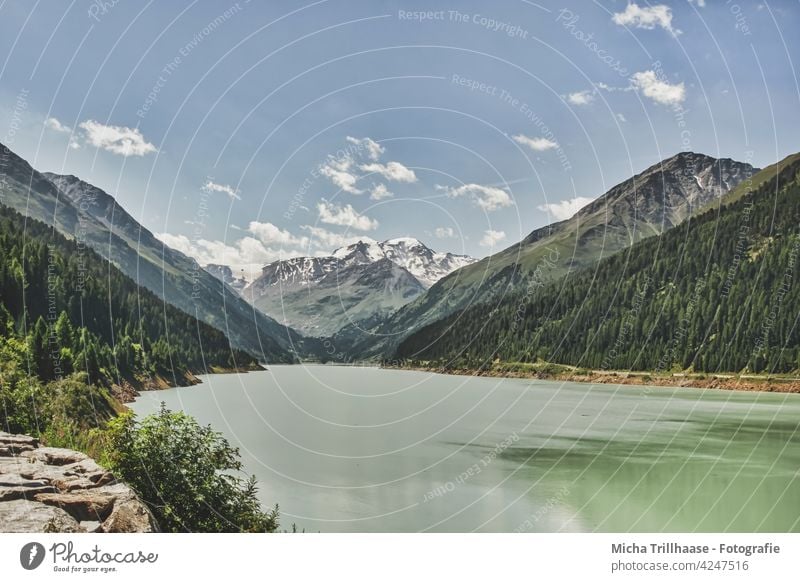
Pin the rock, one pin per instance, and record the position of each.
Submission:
(18, 440)
(92, 526)
(130, 515)
(47, 489)
(24, 492)
(20, 516)
(54, 456)
(83, 505)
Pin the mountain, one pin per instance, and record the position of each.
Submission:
(719, 293)
(77, 313)
(92, 217)
(426, 265)
(360, 284)
(225, 274)
(650, 203)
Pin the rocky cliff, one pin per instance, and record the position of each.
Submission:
(45, 489)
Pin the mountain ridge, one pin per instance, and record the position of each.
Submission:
(654, 200)
(712, 297)
(363, 281)
(98, 221)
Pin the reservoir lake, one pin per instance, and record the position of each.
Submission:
(360, 449)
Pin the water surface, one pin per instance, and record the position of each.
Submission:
(363, 449)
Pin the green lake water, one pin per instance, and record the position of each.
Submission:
(353, 449)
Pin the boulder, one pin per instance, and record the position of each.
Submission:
(20, 516)
(47, 489)
(130, 515)
(83, 505)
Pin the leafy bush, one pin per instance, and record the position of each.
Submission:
(186, 473)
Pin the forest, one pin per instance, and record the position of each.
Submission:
(717, 293)
(72, 326)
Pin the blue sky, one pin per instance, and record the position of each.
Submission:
(243, 132)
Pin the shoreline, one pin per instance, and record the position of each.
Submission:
(722, 381)
(128, 391)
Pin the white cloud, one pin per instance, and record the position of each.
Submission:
(537, 144)
(581, 97)
(338, 171)
(702, 3)
(374, 150)
(487, 197)
(658, 90)
(647, 17)
(380, 192)
(56, 125)
(268, 233)
(125, 141)
(344, 216)
(566, 208)
(444, 232)
(492, 237)
(328, 240)
(393, 171)
(621, 118)
(246, 254)
(211, 186)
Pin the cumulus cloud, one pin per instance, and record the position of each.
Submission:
(344, 216)
(380, 192)
(371, 149)
(230, 191)
(660, 91)
(444, 232)
(268, 233)
(492, 237)
(537, 144)
(327, 240)
(246, 254)
(393, 171)
(56, 125)
(339, 171)
(647, 17)
(566, 208)
(117, 139)
(581, 97)
(486, 197)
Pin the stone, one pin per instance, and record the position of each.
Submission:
(83, 505)
(48, 489)
(55, 456)
(24, 492)
(20, 516)
(130, 515)
(92, 526)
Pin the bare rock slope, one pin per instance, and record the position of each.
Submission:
(45, 489)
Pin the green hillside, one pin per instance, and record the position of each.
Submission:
(646, 205)
(717, 293)
(64, 310)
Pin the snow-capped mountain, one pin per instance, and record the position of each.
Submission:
(367, 280)
(425, 264)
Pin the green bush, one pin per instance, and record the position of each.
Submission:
(186, 473)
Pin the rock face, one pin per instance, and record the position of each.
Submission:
(45, 489)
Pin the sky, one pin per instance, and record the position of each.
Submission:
(246, 132)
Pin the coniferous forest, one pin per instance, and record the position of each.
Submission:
(72, 325)
(712, 295)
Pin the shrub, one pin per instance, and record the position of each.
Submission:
(189, 475)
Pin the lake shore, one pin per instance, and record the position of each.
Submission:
(563, 373)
